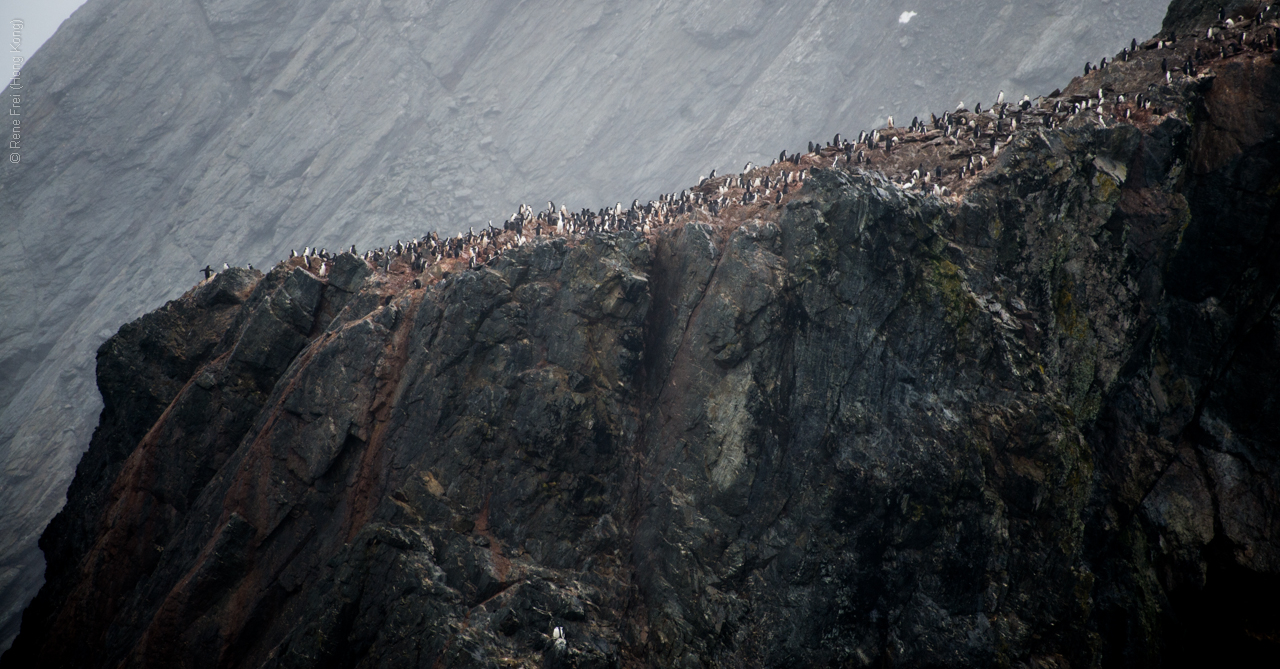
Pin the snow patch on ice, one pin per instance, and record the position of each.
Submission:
(906, 17)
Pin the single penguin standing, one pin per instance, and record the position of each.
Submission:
(208, 271)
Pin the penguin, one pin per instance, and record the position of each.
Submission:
(208, 271)
(1000, 99)
(293, 253)
(225, 267)
(890, 121)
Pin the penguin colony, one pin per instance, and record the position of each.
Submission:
(942, 155)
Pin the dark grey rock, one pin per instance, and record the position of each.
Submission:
(161, 137)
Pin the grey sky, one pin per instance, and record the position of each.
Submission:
(42, 18)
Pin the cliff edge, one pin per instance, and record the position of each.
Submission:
(914, 402)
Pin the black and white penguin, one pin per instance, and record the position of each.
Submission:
(208, 271)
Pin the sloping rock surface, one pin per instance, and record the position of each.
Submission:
(1032, 424)
(161, 136)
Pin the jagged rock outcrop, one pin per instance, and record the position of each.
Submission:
(160, 136)
(1191, 16)
(1031, 424)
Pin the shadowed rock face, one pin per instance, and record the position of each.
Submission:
(1191, 16)
(161, 136)
(1033, 424)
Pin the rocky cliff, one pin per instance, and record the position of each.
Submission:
(160, 136)
(1021, 413)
